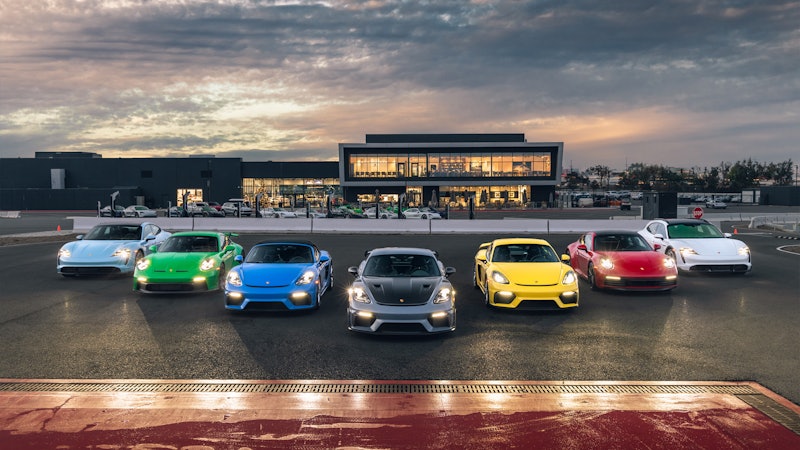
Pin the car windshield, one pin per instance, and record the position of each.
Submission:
(401, 266)
(620, 243)
(114, 233)
(524, 253)
(693, 231)
(189, 244)
(281, 254)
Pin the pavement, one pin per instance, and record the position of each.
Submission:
(327, 414)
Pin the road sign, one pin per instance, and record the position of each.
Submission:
(697, 212)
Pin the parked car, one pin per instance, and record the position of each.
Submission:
(232, 206)
(188, 261)
(139, 211)
(215, 205)
(400, 290)
(621, 260)
(208, 211)
(282, 275)
(347, 212)
(119, 211)
(524, 273)
(716, 204)
(382, 213)
(625, 204)
(278, 213)
(418, 213)
(109, 248)
(696, 245)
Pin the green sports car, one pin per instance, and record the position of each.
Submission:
(189, 261)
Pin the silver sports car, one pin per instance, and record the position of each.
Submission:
(401, 291)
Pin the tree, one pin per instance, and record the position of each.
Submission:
(603, 172)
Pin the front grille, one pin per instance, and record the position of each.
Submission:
(538, 305)
(639, 282)
(401, 302)
(402, 328)
(265, 306)
(168, 287)
(89, 270)
(722, 268)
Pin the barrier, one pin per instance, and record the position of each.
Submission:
(9, 215)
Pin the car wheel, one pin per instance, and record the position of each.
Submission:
(424, 216)
(319, 299)
(486, 296)
(671, 253)
(221, 278)
(475, 279)
(591, 277)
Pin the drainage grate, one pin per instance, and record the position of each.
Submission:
(773, 410)
(374, 388)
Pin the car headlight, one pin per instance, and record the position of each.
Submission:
(358, 294)
(444, 294)
(744, 251)
(606, 263)
(669, 263)
(64, 253)
(143, 264)
(234, 279)
(569, 278)
(499, 278)
(122, 252)
(687, 251)
(207, 264)
(306, 278)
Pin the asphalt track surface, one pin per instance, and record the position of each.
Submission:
(712, 329)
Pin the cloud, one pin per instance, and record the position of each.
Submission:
(294, 78)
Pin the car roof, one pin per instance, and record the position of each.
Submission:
(609, 232)
(197, 233)
(684, 221)
(509, 241)
(402, 251)
(286, 241)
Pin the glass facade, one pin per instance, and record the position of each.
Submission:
(291, 192)
(435, 165)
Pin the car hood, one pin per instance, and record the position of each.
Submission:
(271, 275)
(177, 261)
(401, 291)
(89, 248)
(714, 246)
(639, 262)
(532, 274)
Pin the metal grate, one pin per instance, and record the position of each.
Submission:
(373, 388)
(773, 410)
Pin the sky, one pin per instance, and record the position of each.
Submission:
(689, 83)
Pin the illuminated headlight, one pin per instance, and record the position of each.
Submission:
(445, 294)
(207, 264)
(306, 278)
(606, 263)
(64, 253)
(499, 278)
(234, 279)
(687, 251)
(122, 253)
(569, 278)
(744, 251)
(669, 263)
(358, 294)
(143, 264)
(199, 279)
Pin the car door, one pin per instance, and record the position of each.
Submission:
(583, 257)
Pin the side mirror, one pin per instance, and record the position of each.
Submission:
(324, 257)
(583, 247)
(659, 236)
(153, 249)
(449, 271)
(565, 259)
(239, 259)
(79, 237)
(727, 235)
(353, 270)
(150, 237)
(656, 246)
(481, 255)
(230, 248)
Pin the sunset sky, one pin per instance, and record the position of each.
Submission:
(681, 83)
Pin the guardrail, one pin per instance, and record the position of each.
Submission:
(9, 214)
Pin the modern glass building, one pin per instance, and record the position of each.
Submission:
(493, 169)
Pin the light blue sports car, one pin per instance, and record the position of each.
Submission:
(109, 249)
(279, 276)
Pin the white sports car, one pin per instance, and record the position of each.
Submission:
(419, 213)
(109, 248)
(278, 213)
(698, 246)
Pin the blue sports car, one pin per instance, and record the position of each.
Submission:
(279, 276)
(109, 249)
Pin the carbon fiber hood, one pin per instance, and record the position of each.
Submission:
(401, 291)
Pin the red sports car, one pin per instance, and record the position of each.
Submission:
(621, 260)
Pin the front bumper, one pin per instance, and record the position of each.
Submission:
(175, 284)
(95, 267)
(286, 298)
(400, 320)
(710, 263)
(556, 297)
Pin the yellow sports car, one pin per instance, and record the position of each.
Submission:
(524, 273)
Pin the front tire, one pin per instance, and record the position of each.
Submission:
(591, 277)
(221, 277)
